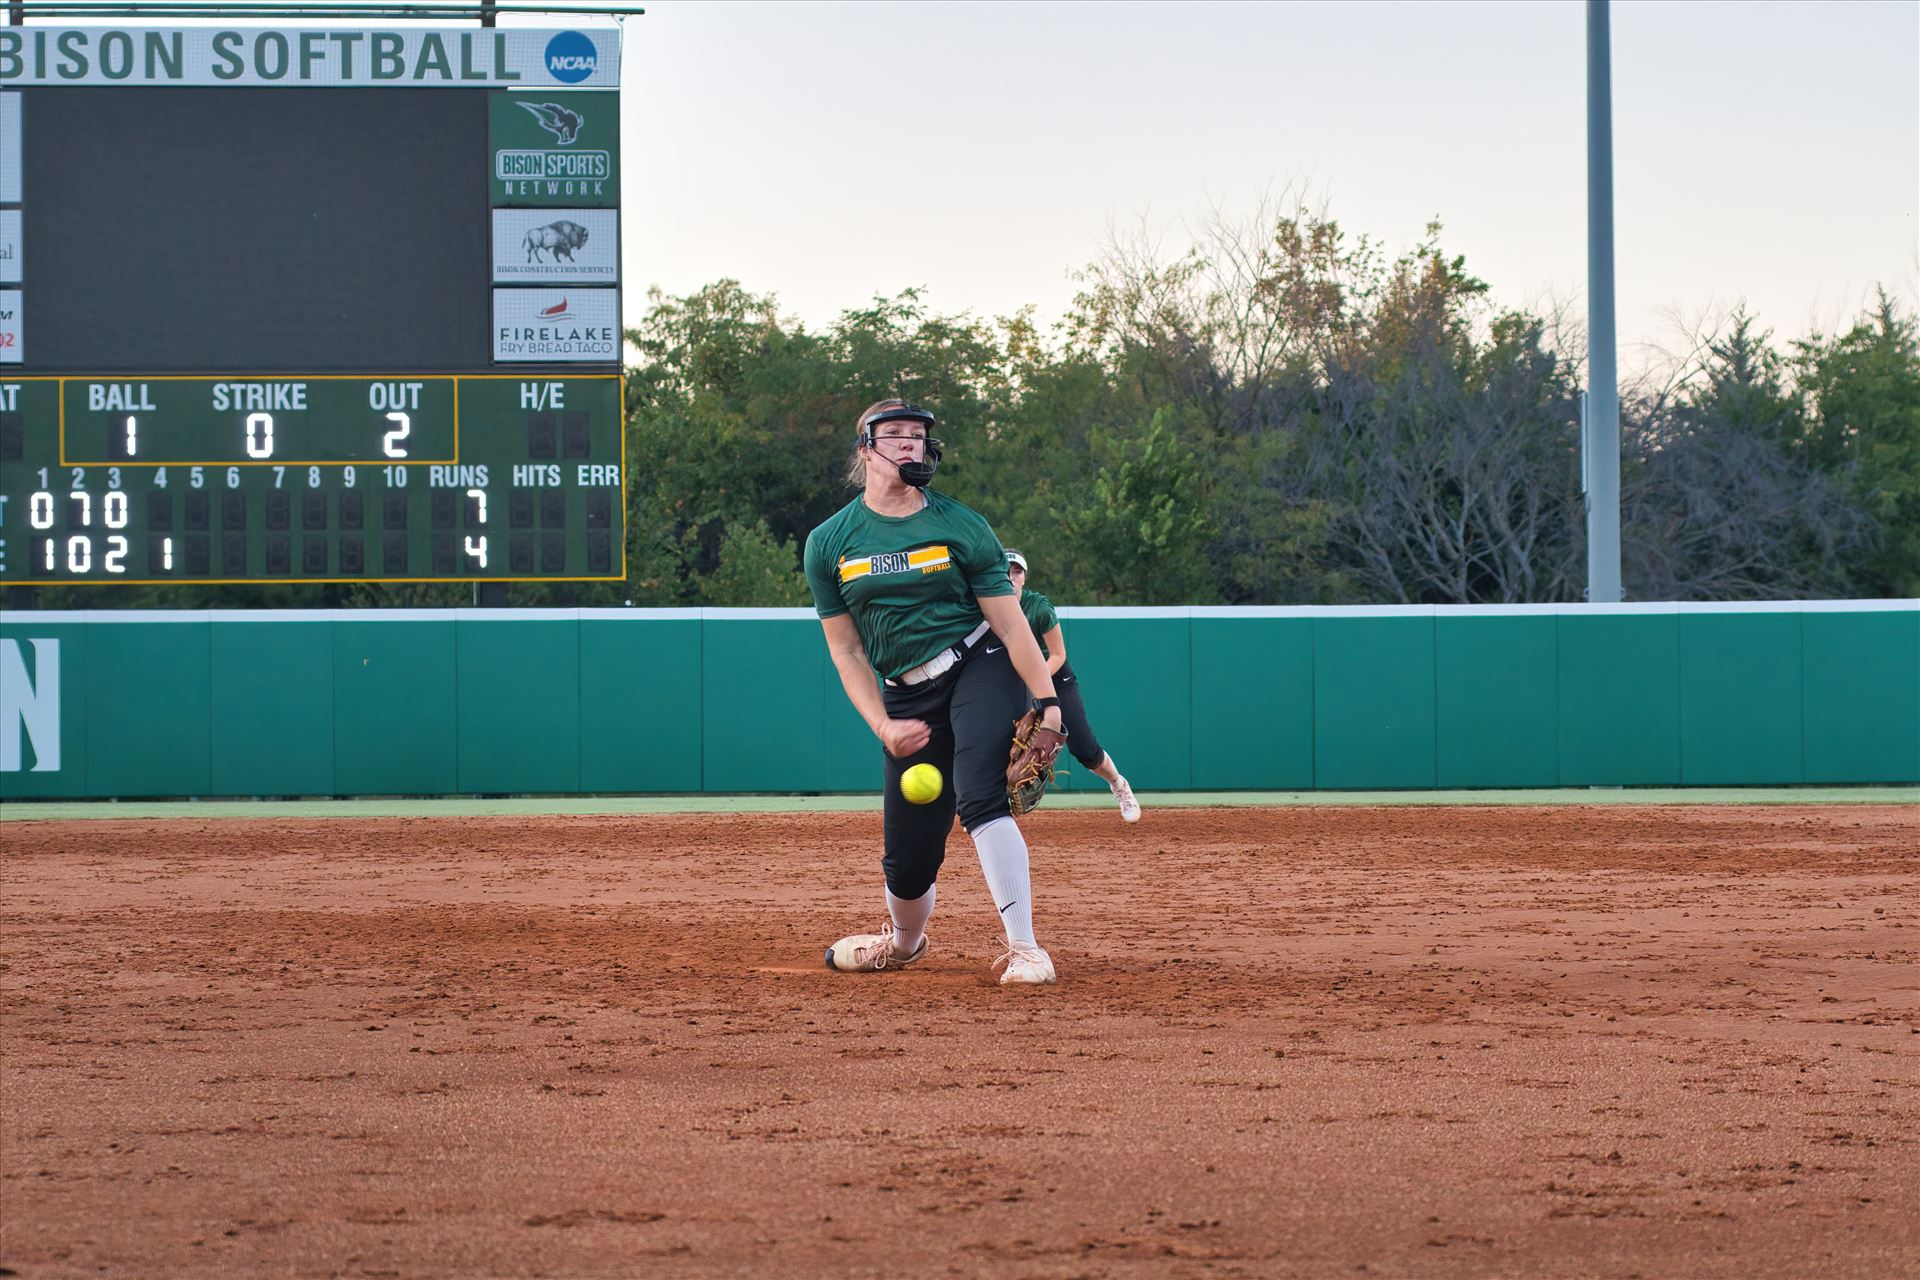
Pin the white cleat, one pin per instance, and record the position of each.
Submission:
(870, 953)
(1129, 807)
(1025, 965)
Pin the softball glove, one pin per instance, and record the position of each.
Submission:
(1030, 763)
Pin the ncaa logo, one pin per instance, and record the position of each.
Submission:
(571, 57)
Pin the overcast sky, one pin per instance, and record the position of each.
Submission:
(826, 153)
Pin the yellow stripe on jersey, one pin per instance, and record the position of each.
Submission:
(852, 567)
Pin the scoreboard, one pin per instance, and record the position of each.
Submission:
(283, 305)
(322, 478)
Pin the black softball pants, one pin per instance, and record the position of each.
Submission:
(970, 710)
(1073, 718)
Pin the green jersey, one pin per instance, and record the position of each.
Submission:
(1040, 616)
(908, 581)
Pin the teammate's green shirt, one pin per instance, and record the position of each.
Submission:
(1041, 616)
(908, 581)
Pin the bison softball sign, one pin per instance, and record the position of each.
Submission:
(556, 246)
(308, 58)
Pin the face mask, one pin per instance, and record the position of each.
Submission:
(916, 474)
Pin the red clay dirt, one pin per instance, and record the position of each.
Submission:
(1567, 1042)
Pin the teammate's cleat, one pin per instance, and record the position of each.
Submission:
(1129, 807)
(1028, 965)
(870, 953)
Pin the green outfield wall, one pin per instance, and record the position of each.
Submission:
(528, 701)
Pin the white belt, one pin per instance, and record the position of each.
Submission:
(942, 662)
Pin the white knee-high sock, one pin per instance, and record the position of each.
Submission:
(1003, 857)
(910, 916)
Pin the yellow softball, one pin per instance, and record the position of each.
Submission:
(921, 784)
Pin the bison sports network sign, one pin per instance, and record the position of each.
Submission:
(9, 148)
(310, 58)
(554, 149)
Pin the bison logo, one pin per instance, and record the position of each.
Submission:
(563, 124)
(557, 238)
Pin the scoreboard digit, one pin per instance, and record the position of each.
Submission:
(279, 305)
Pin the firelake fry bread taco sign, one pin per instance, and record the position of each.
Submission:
(311, 58)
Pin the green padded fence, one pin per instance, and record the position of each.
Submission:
(497, 702)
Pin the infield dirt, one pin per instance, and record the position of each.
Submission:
(1560, 1042)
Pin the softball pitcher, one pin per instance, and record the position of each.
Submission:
(1044, 621)
(912, 586)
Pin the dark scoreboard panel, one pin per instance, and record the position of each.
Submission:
(252, 479)
(320, 230)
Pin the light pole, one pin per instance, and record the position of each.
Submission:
(1601, 437)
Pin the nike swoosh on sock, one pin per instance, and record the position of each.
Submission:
(1010, 906)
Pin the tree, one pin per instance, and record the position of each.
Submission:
(1721, 496)
(754, 568)
(1141, 522)
(1863, 391)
